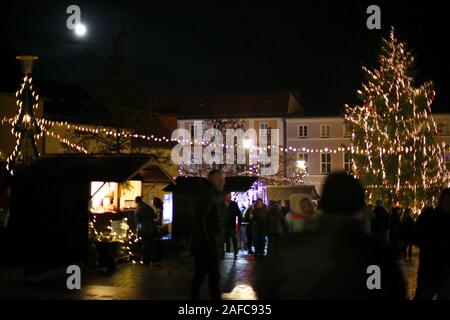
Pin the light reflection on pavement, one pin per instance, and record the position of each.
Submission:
(168, 280)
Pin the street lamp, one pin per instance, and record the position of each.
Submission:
(80, 30)
(248, 143)
(301, 164)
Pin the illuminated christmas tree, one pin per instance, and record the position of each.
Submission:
(395, 150)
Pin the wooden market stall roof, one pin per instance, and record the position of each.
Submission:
(191, 184)
(95, 167)
(283, 192)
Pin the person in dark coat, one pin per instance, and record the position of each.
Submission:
(433, 238)
(258, 217)
(380, 222)
(276, 225)
(158, 208)
(407, 234)
(284, 205)
(207, 235)
(232, 219)
(334, 259)
(395, 228)
(248, 227)
(145, 217)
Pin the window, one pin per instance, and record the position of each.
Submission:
(347, 131)
(443, 128)
(325, 131)
(348, 161)
(193, 131)
(302, 131)
(325, 163)
(264, 125)
(447, 156)
(303, 157)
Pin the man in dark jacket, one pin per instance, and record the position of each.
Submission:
(233, 218)
(258, 218)
(395, 229)
(334, 260)
(276, 225)
(207, 235)
(248, 227)
(433, 239)
(380, 222)
(145, 217)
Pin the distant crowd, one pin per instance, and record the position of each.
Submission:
(323, 249)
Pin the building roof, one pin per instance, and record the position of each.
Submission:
(86, 168)
(242, 105)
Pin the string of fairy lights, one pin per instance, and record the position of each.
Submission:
(126, 237)
(23, 123)
(46, 124)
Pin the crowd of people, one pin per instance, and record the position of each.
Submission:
(324, 249)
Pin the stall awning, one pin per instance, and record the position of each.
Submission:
(190, 184)
(105, 167)
(283, 192)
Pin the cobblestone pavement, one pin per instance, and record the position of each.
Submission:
(409, 269)
(169, 279)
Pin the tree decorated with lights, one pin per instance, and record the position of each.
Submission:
(25, 125)
(394, 145)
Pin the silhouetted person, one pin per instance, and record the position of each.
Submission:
(407, 234)
(284, 207)
(248, 228)
(380, 223)
(258, 217)
(145, 217)
(276, 225)
(395, 230)
(232, 218)
(433, 239)
(158, 208)
(330, 261)
(207, 235)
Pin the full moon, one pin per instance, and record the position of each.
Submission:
(80, 30)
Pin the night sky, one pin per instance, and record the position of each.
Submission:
(315, 47)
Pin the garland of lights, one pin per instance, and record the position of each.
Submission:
(25, 125)
(110, 132)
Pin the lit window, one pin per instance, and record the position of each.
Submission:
(348, 161)
(325, 131)
(347, 131)
(303, 157)
(325, 163)
(443, 128)
(302, 131)
(264, 125)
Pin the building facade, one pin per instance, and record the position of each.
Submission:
(319, 142)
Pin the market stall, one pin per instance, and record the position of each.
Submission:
(53, 205)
